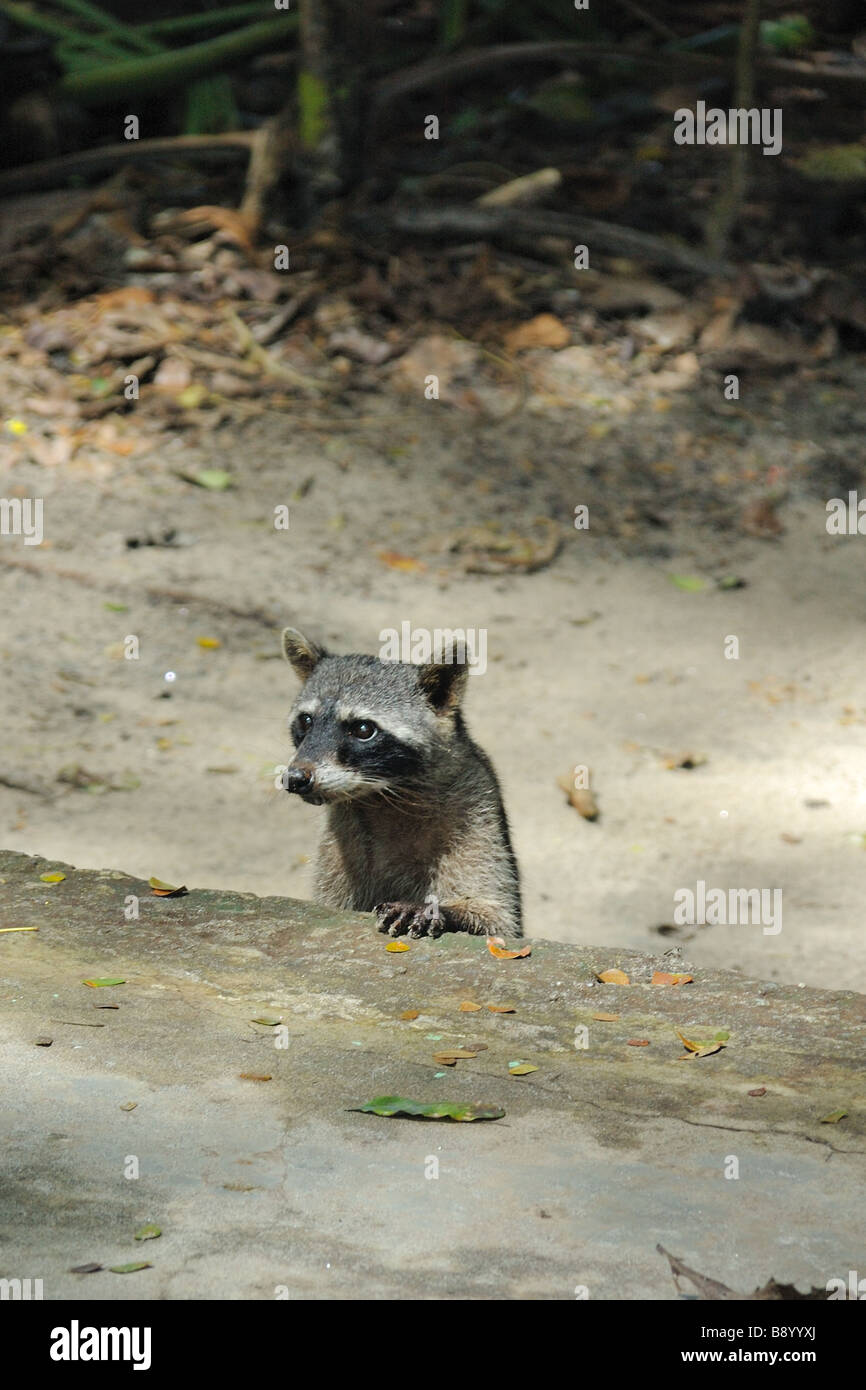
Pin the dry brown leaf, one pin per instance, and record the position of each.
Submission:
(606, 1018)
(467, 1007)
(409, 1014)
(496, 947)
(502, 1008)
(451, 1055)
(545, 330)
(581, 798)
(662, 977)
(395, 561)
(255, 1076)
(613, 977)
(638, 1042)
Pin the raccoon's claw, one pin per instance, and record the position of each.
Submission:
(410, 919)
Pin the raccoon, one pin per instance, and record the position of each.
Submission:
(416, 830)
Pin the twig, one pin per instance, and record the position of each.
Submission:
(473, 221)
(48, 173)
(470, 62)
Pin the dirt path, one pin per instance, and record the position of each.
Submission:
(597, 659)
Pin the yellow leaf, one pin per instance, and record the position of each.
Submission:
(397, 946)
(52, 878)
(614, 977)
(209, 643)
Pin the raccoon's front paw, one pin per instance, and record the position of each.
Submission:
(410, 919)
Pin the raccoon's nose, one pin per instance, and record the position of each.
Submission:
(298, 779)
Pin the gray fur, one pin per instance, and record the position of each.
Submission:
(426, 846)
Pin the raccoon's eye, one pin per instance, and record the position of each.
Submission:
(305, 721)
(364, 729)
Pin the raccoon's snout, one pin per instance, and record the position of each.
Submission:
(298, 778)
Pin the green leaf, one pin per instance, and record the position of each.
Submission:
(435, 1110)
(834, 1117)
(688, 582)
(130, 1268)
(100, 984)
(788, 34)
(148, 1233)
(52, 878)
(117, 607)
(267, 1022)
(214, 479)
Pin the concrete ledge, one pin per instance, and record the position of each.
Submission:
(604, 1152)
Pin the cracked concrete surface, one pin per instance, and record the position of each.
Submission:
(261, 1186)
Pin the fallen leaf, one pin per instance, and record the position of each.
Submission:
(467, 1007)
(147, 1233)
(131, 1268)
(496, 944)
(453, 1056)
(395, 561)
(606, 1018)
(638, 1042)
(688, 582)
(661, 977)
(581, 798)
(502, 1008)
(712, 1289)
(267, 1022)
(758, 1091)
(759, 519)
(705, 1047)
(545, 330)
(255, 1076)
(390, 1106)
(102, 984)
(214, 479)
(209, 643)
(613, 977)
(165, 890)
(521, 1068)
(834, 1117)
(130, 1105)
(52, 878)
(409, 1014)
(477, 1047)
(85, 1269)
(238, 1187)
(684, 761)
(397, 946)
(44, 1042)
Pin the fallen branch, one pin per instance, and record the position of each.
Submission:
(48, 173)
(464, 221)
(471, 62)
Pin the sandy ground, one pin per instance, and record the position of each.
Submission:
(598, 659)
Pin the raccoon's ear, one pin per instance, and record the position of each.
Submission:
(444, 684)
(302, 655)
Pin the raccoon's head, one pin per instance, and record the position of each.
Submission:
(364, 727)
